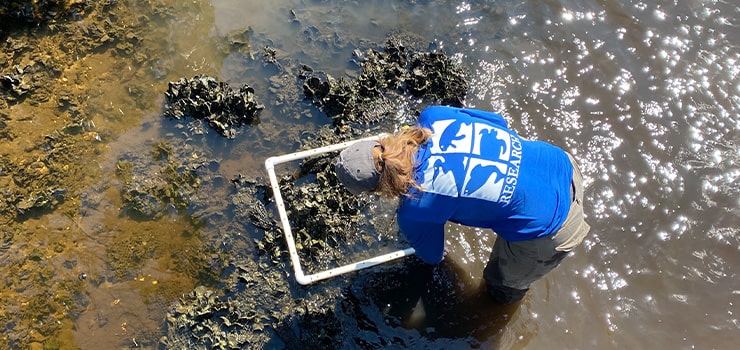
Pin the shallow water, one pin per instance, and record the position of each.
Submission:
(646, 95)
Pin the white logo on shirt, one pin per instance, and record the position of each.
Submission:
(472, 160)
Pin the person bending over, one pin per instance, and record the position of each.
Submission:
(466, 166)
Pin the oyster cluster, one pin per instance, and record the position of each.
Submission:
(324, 216)
(397, 70)
(14, 13)
(29, 81)
(249, 202)
(204, 97)
(237, 319)
(34, 186)
(149, 190)
(213, 321)
(14, 83)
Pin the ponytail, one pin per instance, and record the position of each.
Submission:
(397, 161)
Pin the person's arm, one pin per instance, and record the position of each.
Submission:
(427, 238)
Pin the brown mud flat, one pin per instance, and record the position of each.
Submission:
(73, 234)
(72, 78)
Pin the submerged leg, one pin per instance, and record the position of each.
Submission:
(513, 266)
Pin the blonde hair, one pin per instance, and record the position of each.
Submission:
(397, 161)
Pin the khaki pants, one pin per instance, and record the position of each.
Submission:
(513, 266)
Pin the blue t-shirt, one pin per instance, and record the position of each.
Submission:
(475, 171)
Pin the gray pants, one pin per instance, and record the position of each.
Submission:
(513, 266)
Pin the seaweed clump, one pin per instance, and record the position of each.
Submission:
(204, 97)
(397, 70)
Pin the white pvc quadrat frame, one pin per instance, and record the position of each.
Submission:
(300, 276)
